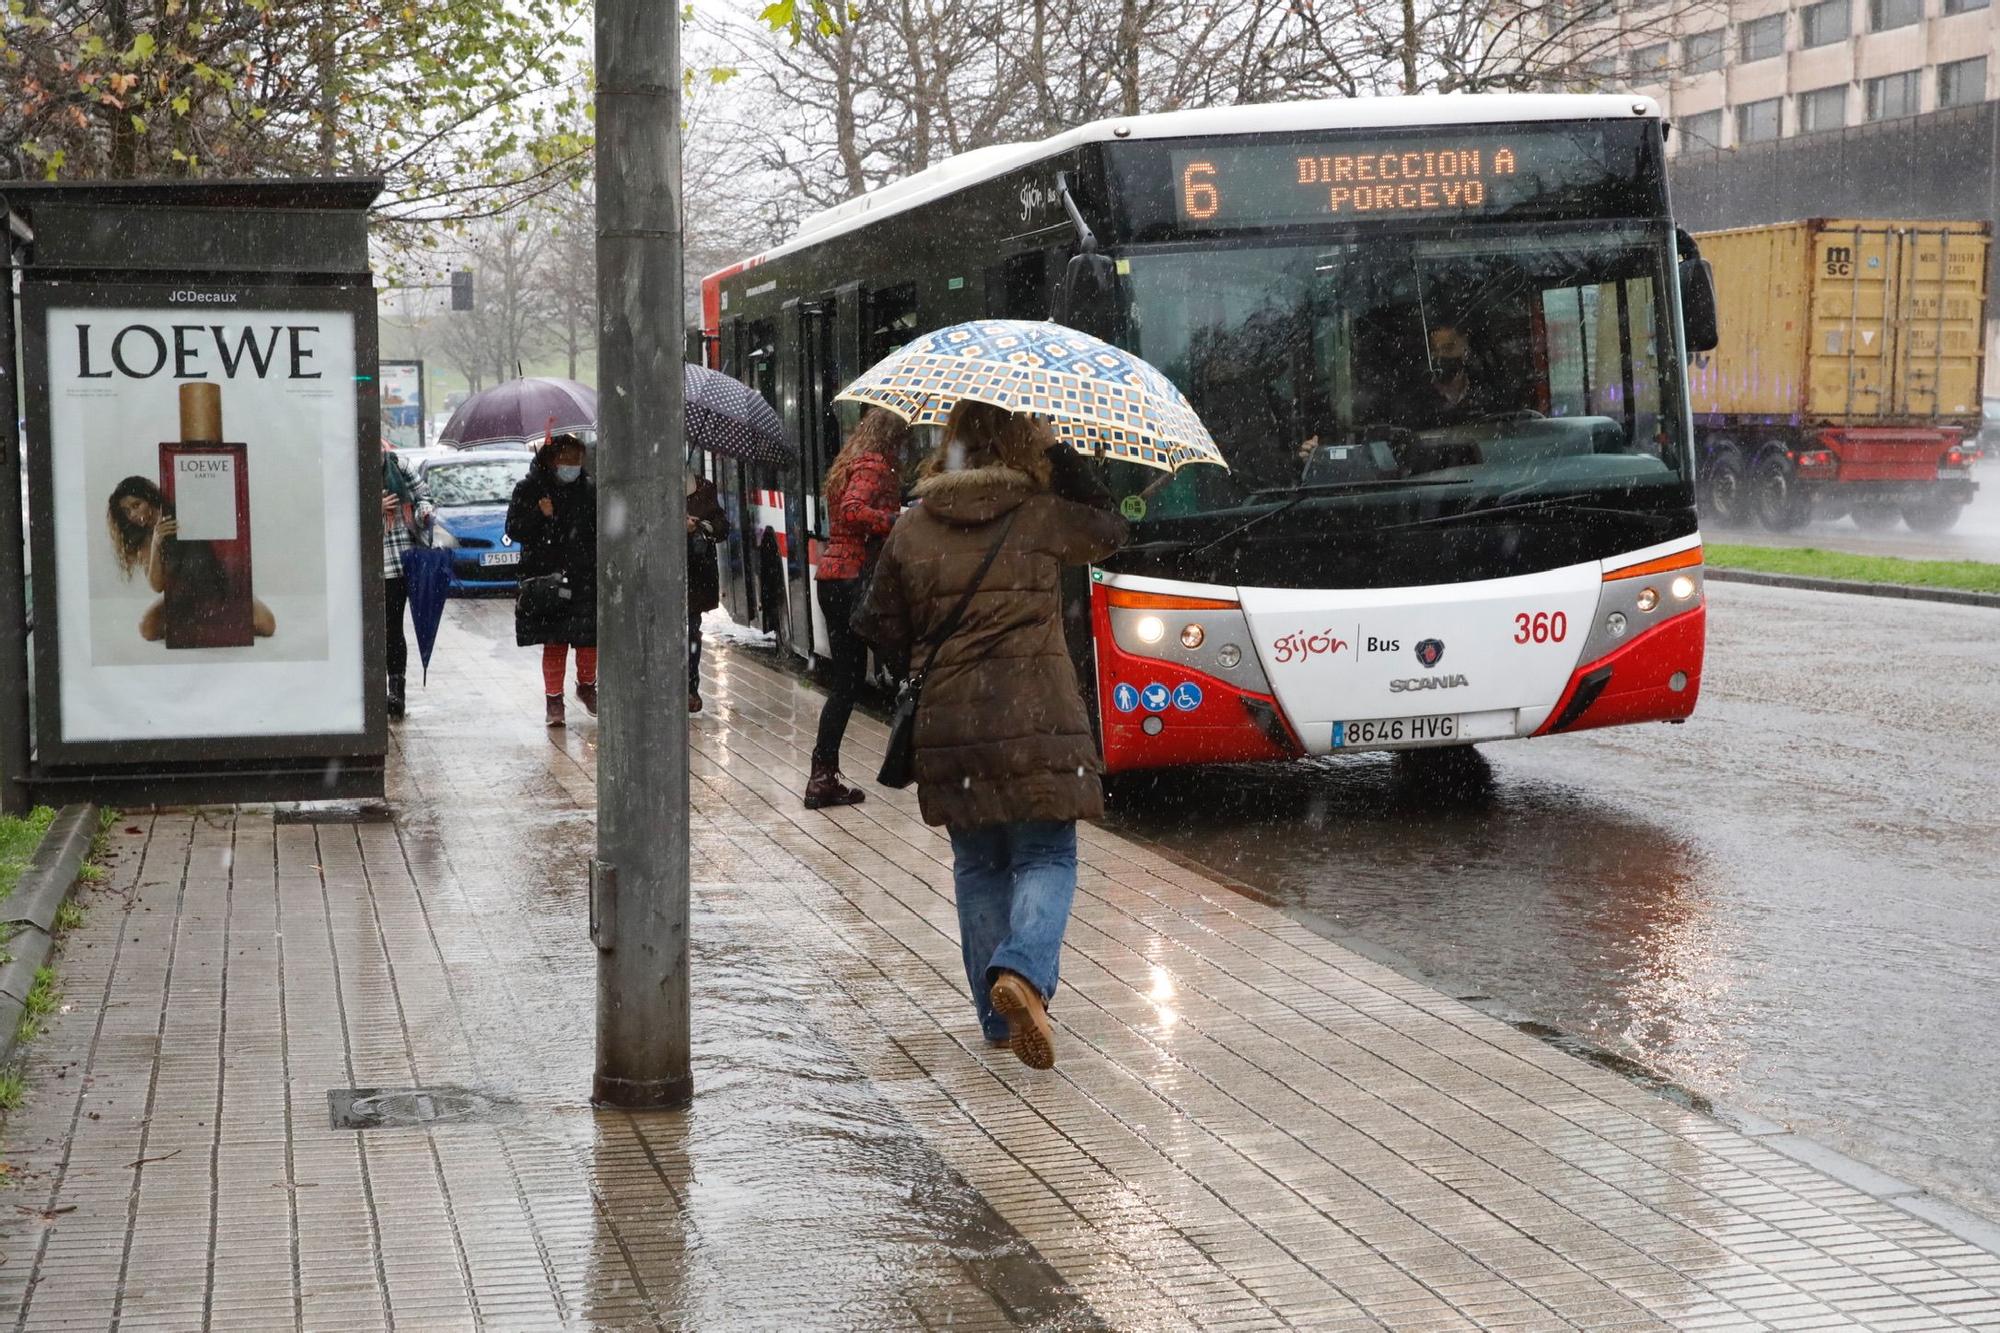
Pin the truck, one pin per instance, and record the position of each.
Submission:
(1848, 380)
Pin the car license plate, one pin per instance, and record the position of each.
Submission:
(1393, 731)
(500, 558)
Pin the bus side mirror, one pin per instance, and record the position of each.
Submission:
(1698, 316)
(1086, 301)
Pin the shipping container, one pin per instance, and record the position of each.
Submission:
(1848, 379)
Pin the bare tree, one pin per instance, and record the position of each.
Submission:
(567, 273)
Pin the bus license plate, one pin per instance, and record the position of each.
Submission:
(500, 558)
(1393, 731)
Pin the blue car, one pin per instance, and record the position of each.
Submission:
(471, 490)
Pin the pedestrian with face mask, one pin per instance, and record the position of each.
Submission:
(553, 516)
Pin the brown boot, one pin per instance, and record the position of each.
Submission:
(825, 788)
(586, 694)
(553, 713)
(1017, 1001)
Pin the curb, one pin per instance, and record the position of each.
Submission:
(31, 911)
(1905, 591)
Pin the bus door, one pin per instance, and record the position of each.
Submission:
(808, 403)
(748, 352)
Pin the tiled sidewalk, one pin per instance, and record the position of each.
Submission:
(1250, 1127)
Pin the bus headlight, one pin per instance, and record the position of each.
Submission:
(1229, 656)
(1191, 636)
(1151, 629)
(1648, 598)
(1683, 588)
(1615, 623)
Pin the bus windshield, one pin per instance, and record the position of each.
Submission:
(1475, 368)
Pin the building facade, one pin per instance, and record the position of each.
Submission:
(1756, 71)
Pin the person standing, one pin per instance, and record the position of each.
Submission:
(553, 516)
(706, 526)
(864, 497)
(406, 521)
(1005, 759)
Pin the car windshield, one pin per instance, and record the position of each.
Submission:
(490, 481)
(1479, 367)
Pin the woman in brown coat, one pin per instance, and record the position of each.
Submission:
(1005, 757)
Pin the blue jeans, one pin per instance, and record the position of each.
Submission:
(1014, 883)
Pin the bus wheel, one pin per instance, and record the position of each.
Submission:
(1876, 515)
(1781, 504)
(1444, 772)
(1728, 489)
(1932, 514)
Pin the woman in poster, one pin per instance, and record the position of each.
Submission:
(142, 536)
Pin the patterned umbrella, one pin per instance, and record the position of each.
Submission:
(1101, 400)
(726, 416)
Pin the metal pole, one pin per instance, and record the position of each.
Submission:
(13, 566)
(639, 882)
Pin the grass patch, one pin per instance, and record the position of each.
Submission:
(13, 1088)
(1811, 562)
(43, 999)
(18, 840)
(70, 915)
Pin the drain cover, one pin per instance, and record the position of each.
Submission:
(379, 1108)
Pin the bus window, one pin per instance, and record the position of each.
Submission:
(1017, 287)
(889, 319)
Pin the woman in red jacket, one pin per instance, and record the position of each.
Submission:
(864, 496)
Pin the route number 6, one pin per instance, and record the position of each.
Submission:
(1541, 627)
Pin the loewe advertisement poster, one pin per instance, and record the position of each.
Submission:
(202, 448)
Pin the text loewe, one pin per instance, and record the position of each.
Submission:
(141, 351)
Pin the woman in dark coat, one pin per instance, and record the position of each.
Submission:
(553, 515)
(1005, 757)
(706, 526)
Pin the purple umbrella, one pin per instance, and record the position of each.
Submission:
(522, 411)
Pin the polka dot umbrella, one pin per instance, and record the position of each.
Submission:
(1102, 400)
(726, 416)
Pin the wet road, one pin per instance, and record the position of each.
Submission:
(1790, 905)
(1976, 536)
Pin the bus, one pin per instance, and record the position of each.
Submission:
(1442, 343)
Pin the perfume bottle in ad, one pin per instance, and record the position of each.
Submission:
(207, 601)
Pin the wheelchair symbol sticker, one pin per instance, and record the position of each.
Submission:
(1187, 696)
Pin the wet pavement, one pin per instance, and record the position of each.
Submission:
(1975, 537)
(1790, 905)
(1251, 1127)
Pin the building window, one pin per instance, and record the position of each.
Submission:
(1702, 52)
(1964, 6)
(1757, 121)
(1892, 95)
(1601, 72)
(1827, 22)
(1648, 61)
(1765, 37)
(1823, 109)
(1886, 14)
(1702, 132)
(1962, 82)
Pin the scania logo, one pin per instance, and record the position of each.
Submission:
(1427, 683)
(1430, 651)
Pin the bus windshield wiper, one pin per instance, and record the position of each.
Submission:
(1503, 504)
(1302, 493)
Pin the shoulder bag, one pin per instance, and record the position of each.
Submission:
(899, 761)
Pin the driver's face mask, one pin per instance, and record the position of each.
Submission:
(1447, 368)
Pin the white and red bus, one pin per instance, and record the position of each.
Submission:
(1439, 340)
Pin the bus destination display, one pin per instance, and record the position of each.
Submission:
(1439, 175)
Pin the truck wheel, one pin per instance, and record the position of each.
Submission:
(1728, 489)
(1932, 514)
(1876, 515)
(1781, 503)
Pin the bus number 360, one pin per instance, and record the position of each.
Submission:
(1541, 627)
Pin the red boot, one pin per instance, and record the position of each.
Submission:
(825, 788)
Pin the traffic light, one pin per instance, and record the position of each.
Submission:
(461, 290)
